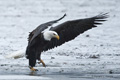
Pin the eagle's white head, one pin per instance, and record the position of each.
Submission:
(48, 35)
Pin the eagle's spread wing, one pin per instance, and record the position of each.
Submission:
(42, 27)
(71, 29)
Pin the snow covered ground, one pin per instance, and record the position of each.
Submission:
(94, 55)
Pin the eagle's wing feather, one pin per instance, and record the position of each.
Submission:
(42, 27)
(71, 29)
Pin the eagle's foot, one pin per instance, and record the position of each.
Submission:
(33, 69)
(41, 61)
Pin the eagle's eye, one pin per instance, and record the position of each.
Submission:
(54, 34)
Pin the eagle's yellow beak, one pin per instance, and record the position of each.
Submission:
(57, 37)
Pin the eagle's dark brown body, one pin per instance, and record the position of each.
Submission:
(34, 50)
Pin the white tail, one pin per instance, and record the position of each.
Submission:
(17, 54)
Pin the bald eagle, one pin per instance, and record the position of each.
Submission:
(40, 40)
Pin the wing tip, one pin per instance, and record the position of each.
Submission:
(100, 18)
(102, 15)
(62, 17)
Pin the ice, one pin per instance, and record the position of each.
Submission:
(21, 77)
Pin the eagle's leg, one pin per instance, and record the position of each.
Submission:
(32, 61)
(40, 60)
(33, 69)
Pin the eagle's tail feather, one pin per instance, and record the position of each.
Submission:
(16, 54)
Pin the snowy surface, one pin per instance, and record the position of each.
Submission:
(21, 77)
(93, 57)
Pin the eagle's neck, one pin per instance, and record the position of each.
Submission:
(47, 36)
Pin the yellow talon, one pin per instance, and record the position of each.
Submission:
(32, 69)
